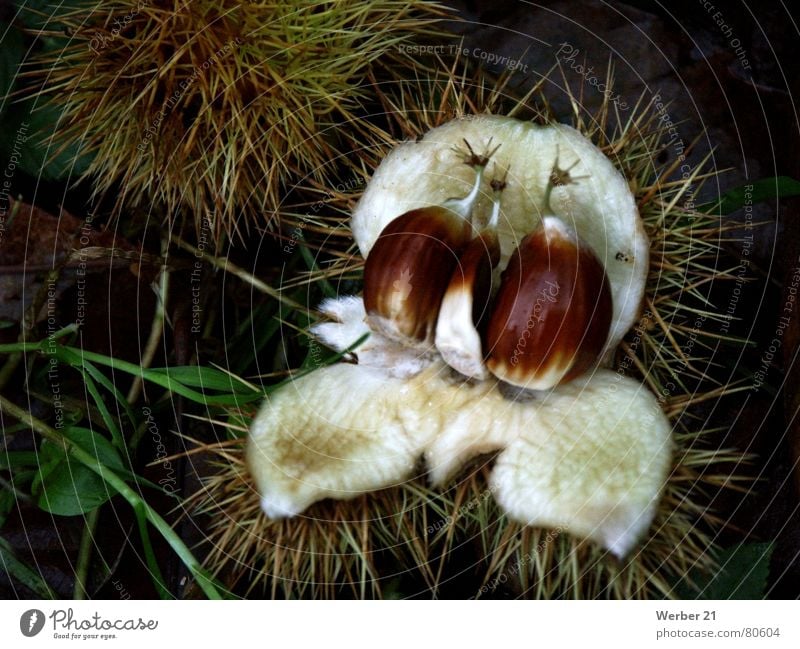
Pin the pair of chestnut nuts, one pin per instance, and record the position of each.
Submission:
(428, 282)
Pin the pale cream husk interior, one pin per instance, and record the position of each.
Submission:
(599, 205)
(590, 457)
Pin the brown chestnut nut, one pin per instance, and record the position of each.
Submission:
(411, 264)
(409, 269)
(552, 313)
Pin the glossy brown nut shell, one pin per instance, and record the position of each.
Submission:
(552, 313)
(408, 271)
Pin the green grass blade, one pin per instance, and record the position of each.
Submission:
(23, 573)
(120, 486)
(150, 556)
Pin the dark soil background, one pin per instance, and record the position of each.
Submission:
(740, 102)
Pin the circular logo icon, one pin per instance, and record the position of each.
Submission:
(31, 622)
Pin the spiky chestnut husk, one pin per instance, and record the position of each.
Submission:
(211, 107)
(532, 562)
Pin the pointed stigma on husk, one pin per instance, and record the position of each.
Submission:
(497, 185)
(464, 206)
(559, 178)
